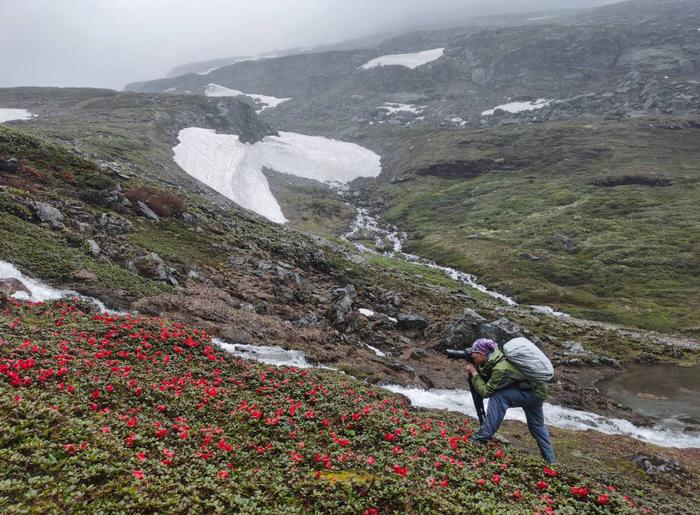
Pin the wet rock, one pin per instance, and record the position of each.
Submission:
(115, 224)
(264, 266)
(501, 330)
(187, 218)
(11, 286)
(83, 227)
(656, 465)
(48, 214)
(84, 276)
(574, 348)
(610, 362)
(566, 242)
(11, 165)
(93, 248)
(412, 322)
(418, 354)
(341, 309)
(146, 211)
(150, 266)
(463, 331)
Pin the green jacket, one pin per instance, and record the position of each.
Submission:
(499, 373)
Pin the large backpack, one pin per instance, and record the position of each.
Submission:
(529, 359)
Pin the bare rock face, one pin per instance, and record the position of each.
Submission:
(47, 213)
(463, 331)
(500, 330)
(151, 266)
(11, 165)
(340, 311)
(657, 465)
(412, 322)
(12, 286)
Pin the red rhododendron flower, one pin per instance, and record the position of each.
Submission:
(481, 482)
(542, 485)
(517, 494)
(223, 474)
(389, 437)
(580, 491)
(371, 460)
(401, 471)
(603, 499)
(496, 479)
(138, 474)
(499, 453)
(549, 472)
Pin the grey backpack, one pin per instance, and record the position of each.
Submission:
(529, 359)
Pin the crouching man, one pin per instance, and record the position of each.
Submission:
(495, 378)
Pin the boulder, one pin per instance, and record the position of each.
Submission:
(574, 348)
(10, 286)
(412, 322)
(462, 332)
(655, 465)
(150, 266)
(93, 248)
(114, 224)
(47, 213)
(500, 330)
(11, 165)
(146, 211)
(341, 308)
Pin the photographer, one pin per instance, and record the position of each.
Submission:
(494, 377)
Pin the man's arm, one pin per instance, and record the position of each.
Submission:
(498, 379)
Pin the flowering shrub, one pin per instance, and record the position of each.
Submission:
(136, 414)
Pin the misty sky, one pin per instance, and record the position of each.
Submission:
(108, 43)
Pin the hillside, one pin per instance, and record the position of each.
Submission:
(144, 414)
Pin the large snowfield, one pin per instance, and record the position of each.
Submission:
(408, 60)
(235, 169)
(267, 101)
(7, 115)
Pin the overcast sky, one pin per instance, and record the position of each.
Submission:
(108, 43)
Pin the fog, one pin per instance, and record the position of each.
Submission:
(108, 43)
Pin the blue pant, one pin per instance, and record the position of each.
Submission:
(513, 397)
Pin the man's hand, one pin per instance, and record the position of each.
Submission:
(471, 369)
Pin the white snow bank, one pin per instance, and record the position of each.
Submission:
(558, 416)
(408, 60)
(41, 292)
(375, 350)
(366, 312)
(394, 107)
(518, 107)
(7, 115)
(235, 169)
(546, 310)
(267, 101)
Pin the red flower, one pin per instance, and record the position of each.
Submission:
(517, 495)
(401, 471)
(542, 485)
(549, 472)
(603, 499)
(95, 394)
(161, 407)
(223, 474)
(481, 482)
(496, 479)
(389, 437)
(580, 491)
(370, 511)
(138, 474)
(141, 456)
(371, 460)
(161, 433)
(444, 483)
(499, 453)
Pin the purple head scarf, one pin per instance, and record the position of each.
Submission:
(483, 345)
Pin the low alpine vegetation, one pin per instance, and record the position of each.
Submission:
(135, 414)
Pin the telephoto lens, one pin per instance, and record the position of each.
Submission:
(459, 354)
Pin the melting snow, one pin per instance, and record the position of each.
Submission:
(366, 312)
(7, 115)
(41, 292)
(408, 60)
(519, 107)
(546, 310)
(558, 416)
(393, 108)
(214, 90)
(235, 169)
(375, 350)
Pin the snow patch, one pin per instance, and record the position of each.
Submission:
(519, 107)
(540, 18)
(41, 292)
(411, 61)
(266, 101)
(546, 310)
(557, 416)
(458, 121)
(375, 350)
(394, 107)
(7, 115)
(235, 169)
(256, 58)
(366, 312)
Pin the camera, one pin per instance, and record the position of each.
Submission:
(459, 354)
